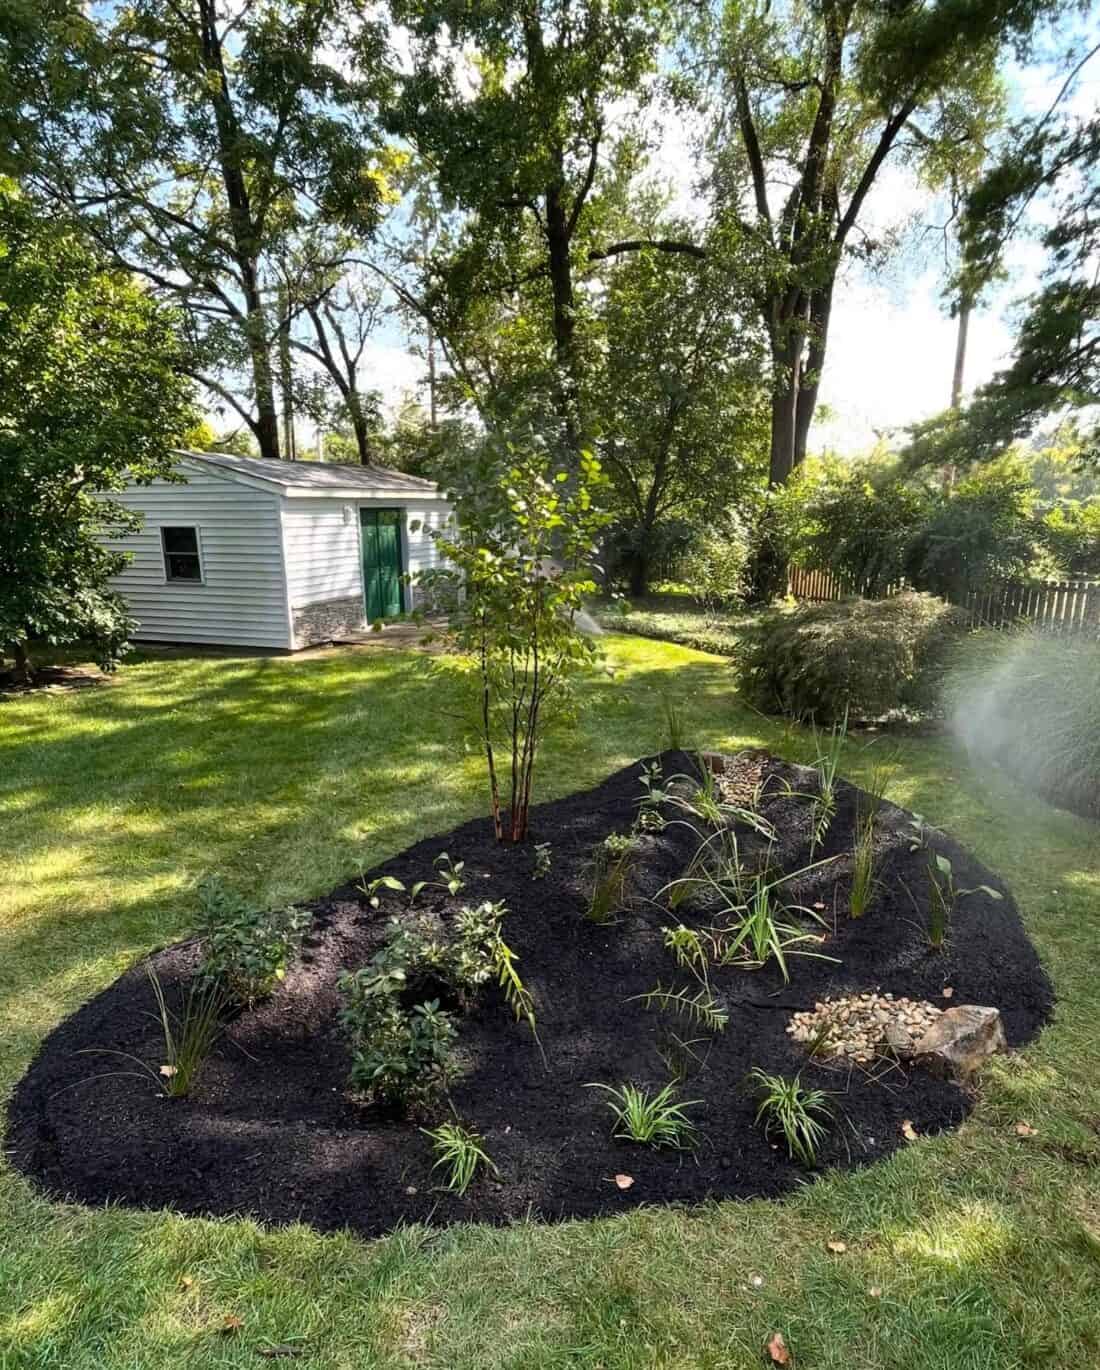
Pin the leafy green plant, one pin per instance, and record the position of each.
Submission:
(543, 861)
(518, 503)
(461, 1151)
(399, 1057)
(188, 1035)
(651, 804)
(450, 872)
(943, 894)
(656, 1120)
(246, 950)
(612, 864)
(382, 882)
(798, 1114)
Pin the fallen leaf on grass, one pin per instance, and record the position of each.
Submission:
(875, 1292)
(624, 1181)
(186, 1281)
(231, 1325)
(757, 1281)
(1025, 1130)
(838, 1248)
(778, 1350)
(908, 1131)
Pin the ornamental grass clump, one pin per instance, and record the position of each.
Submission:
(1029, 702)
(799, 1115)
(657, 1120)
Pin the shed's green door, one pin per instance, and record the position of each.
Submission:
(381, 562)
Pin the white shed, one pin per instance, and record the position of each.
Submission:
(280, 554)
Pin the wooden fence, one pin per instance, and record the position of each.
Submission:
(1056, 606)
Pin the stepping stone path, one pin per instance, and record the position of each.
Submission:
(859, 1026)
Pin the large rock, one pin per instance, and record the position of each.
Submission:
(961, 1040)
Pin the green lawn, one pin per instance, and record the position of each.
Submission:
(980, 1249)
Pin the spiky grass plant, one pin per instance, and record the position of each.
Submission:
(188, 1035)
(675, 728)
(799, 1115)
(763, 934)
(656, 1120)
(461, 1151)
(865, 861)
(826, 763)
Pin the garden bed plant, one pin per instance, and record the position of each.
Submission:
(563, 1029)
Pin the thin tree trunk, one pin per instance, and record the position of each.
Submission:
(950, 472)
(565, 326)
(24, 671)
(286, 375)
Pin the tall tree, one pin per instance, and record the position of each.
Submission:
(1056, 361)
(511, 103)
(90, 398)
(680, 395)
(191, 136)
(817, 99)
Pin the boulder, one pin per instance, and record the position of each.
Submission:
(961, 1040)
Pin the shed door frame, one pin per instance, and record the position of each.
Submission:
(368, 516)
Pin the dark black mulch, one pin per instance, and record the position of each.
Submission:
(269, 1130)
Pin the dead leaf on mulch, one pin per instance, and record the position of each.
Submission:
(231, 1325)
(168, 1071)
(838, 1248)
(1023, 1129)
(778, 1349)
(908, 1131)
(624, 1181)
(948, 992)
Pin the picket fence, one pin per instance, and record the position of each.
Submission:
(1056, 606)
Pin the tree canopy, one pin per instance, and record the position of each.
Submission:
(90, 396)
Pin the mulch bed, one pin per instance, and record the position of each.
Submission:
(270, 1131)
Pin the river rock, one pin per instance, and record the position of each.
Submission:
(961, 1040)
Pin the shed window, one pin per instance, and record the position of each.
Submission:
(182, 560)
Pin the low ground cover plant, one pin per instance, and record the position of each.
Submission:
(246, 950)
(401, 1050)
(856, 658)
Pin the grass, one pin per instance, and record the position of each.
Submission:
(288, 775)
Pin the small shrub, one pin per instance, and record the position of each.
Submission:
(246, 950)
(796, 1113)
(655, 1120)
(858, 658)
(461, 1151)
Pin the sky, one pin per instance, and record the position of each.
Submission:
(892, 342)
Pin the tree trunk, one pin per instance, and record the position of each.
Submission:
(949, 471)
(244, 230)
(24, 671)
(565, 326)
(820, 310)
(359, 427)
(286, 375)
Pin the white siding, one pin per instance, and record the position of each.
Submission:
(242, 601)
(322, 544)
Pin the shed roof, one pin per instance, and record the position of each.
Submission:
(318, 477)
